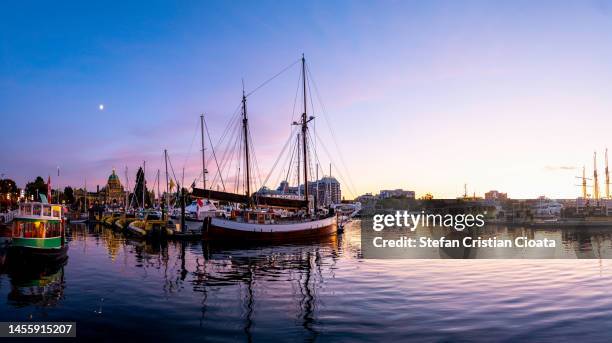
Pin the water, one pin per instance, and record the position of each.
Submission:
(316, 291)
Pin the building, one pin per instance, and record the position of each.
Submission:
(495, 195)
(329, 191)
(367, 197)
(592, 207)
(113, 193)
(396, 193)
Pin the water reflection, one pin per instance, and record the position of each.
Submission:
(41, 286)
(493, 242)
(298, 264)
(308, 291)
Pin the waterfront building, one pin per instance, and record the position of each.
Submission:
(495, 195)
(366, 197)
(113, 193)
(396, 193)
(594, 207)
(327, 190)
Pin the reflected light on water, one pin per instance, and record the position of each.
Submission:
(324, 290)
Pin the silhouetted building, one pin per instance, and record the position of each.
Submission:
(495, 195)
(396, 193)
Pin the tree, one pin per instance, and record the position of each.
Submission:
(35, 188)
(69, 195)
(9, 194)
(140, 185)
(8, 186)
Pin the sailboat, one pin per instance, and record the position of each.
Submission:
(80, 217)
(256, 219)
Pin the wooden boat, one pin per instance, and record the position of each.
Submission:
(253, 228)
(38, 233)
(254, 218)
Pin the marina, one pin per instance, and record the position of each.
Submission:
(332, 171)
(112, 284)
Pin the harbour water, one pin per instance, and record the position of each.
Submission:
(321, 290)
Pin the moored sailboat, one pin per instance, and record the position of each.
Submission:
(256, 218)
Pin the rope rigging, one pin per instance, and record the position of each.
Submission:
(229, 153)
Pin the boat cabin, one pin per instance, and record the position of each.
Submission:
(36, 210)
(260, 217)
(38, 225)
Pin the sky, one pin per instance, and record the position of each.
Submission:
(420, 95)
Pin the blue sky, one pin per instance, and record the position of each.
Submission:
(423, 95)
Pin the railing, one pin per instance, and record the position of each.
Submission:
(7, 217)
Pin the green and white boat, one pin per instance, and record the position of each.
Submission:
(38, 233)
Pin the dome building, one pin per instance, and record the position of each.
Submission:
(113, 193)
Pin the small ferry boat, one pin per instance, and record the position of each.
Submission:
(38, 233)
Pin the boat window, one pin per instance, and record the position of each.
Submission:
(18, 229)
(36, 208)
(34, 230)
(56, 212)
(54, 229)
(27, 210)
(47, 211)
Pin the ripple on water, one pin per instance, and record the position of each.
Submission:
(112, 285)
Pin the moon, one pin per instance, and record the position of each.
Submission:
(101, 107)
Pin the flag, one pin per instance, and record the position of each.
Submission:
(200, 203)
(49, 188)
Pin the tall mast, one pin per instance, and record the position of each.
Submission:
(607, 177)
(584, 183)
(595, 181)
(144, 187)
(304, 129)
(127, 190)
(329, 185)
(316, 195)
(245, 124)
(167, 190)
(158, 193)
(299, 158)
(86, 194)
(203, 154)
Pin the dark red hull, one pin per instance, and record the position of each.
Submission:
(214, 233)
